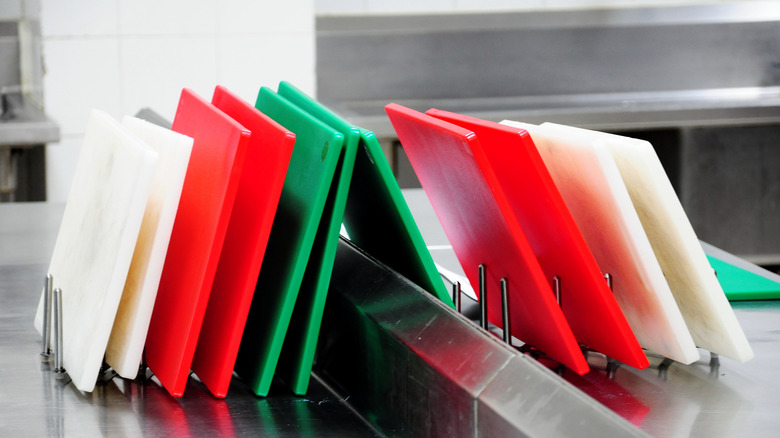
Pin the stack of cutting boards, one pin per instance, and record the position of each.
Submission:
(575, 206)
(208, 248)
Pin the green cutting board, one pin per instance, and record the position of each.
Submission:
(307, 184)
(300, 343)
(740, 284)
(377, 217)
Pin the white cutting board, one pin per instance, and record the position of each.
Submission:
(126, 344)
(701, 299)
(593, 190)
(96, 240)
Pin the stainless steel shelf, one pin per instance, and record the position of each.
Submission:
(34, 403)
(665, 400)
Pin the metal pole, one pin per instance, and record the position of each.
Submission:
(59, 370)
(47, 297)
(505, 311)
(557, 289)
(483, 298)
(456, 296)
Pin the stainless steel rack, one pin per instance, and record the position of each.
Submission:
(387, 365)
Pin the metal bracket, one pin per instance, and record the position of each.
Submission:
(46, 331)
(59, 369)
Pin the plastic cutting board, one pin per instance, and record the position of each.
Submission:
(602, 207)
(740, 279)
(126, 345)
(96, 239)
(377, 217)
(207, 198)
(297, 356)
(262, 178)
(587, 302)
(481, 226)
(306, 187)
(703, 304)
(701, 300)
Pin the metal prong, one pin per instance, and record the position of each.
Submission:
(142, 371)
(505, 312)
(612, 366)
(57, 311)
(456, 295)
(714, 364)
(557, 289)
(106, 373)
(608, 277)
(663, 367)
(46, 333)
(483, 298)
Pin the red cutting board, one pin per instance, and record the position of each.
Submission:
(210, 186)
(592, 311)
(262, 178)
(482, 228)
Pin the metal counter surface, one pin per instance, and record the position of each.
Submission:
(34, 403)
(729, 399)
(719, 398)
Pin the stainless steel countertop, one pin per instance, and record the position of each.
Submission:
(727, 399)
(698, 400)
(33, 403)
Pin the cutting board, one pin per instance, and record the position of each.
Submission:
(207, 198)
(96, 239)
(701, 300)
(740, 279)
(602, 207)
(262, 178)
(306, 187)
(297, 355)
(377, 217)
(587, 302)
(479, 222)
(126, 344)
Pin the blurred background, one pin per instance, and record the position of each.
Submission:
(699, 79)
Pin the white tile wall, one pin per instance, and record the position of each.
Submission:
(155, 69)
(247, 62)
(169, 17)
(79, 18)
(122, 55)
(10, 9)
(81, 74)
(242, 17)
